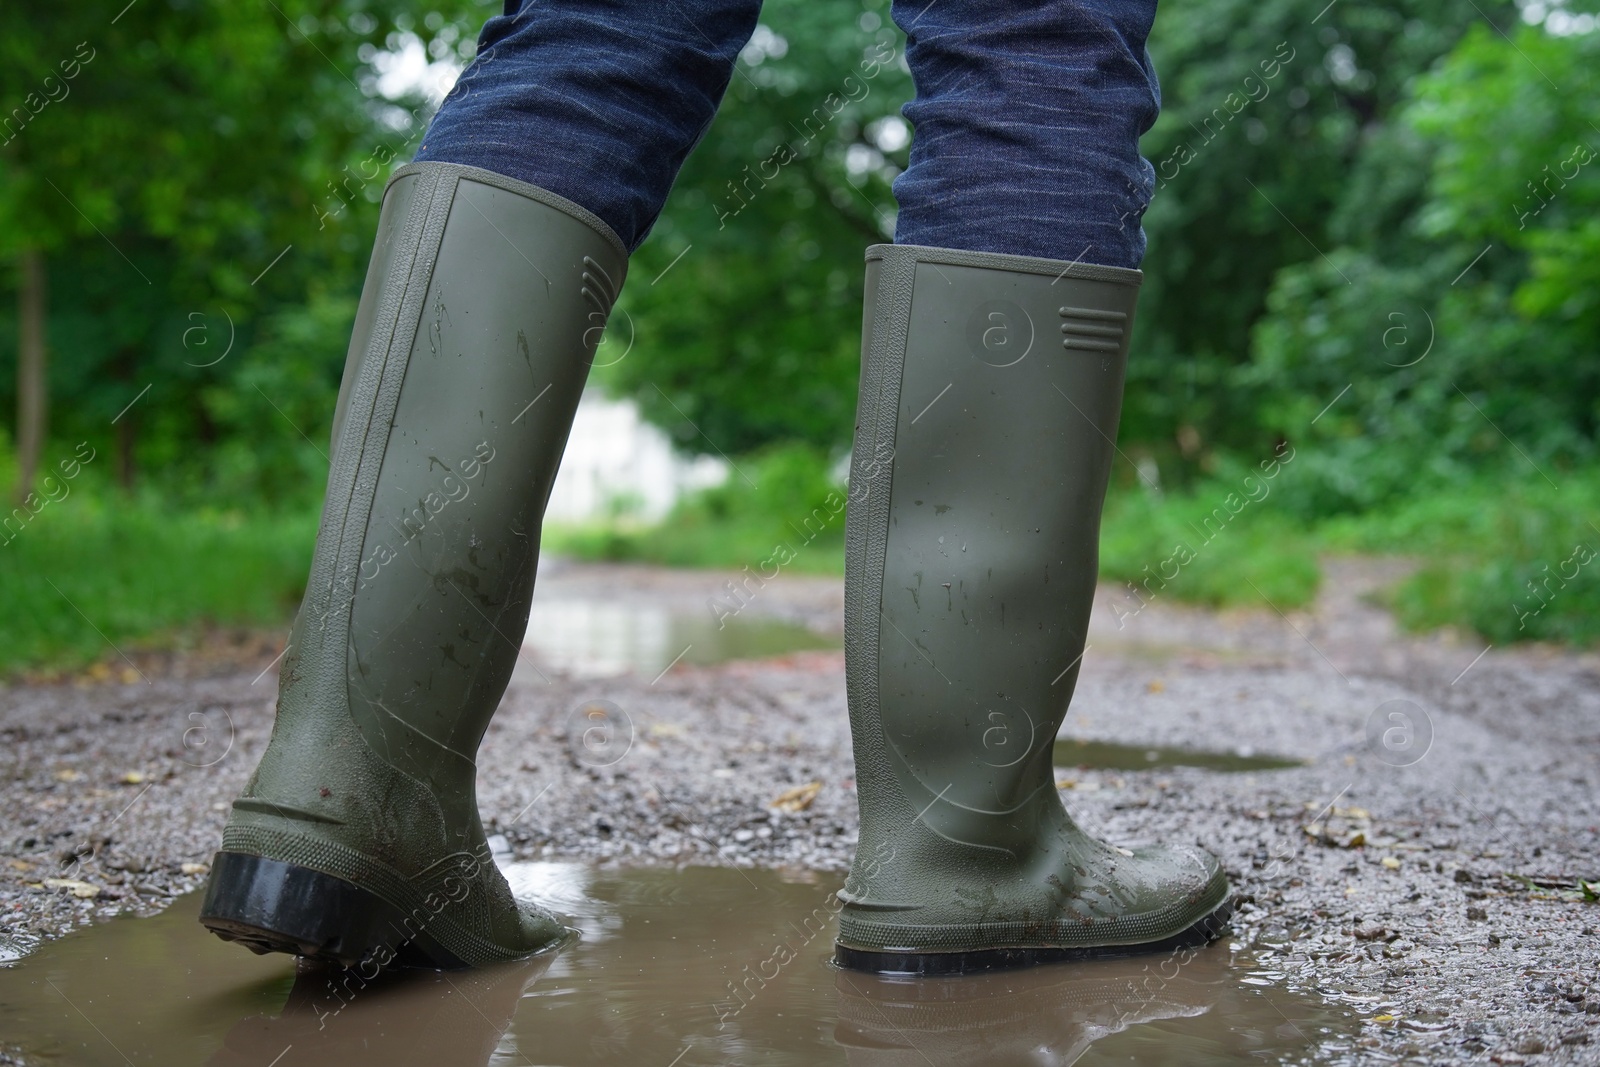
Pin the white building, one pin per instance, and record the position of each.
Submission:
(614, 455)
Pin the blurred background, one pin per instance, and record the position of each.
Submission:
(1374, 270)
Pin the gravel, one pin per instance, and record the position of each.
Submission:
(1426, 869)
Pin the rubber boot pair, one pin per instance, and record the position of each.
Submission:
(990, 393)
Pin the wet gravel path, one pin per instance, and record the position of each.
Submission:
(1425, 865)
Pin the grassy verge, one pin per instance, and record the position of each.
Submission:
(789, 513)
(1511, 559)
(1216, 547)
(88, 573)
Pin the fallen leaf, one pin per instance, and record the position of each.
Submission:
(195, 868)
(1155, 685)
(1323, 836)
(797, 799)
(133, 778)
(1391, 863)
(72, 885)
(20, 865)
(667, 729)
(67, 775)
(1384, 1018)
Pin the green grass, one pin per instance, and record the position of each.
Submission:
(1215, 547)
(98, 569)
(1504, 557)
(1224, 543)
(789, 514)
(89, 573)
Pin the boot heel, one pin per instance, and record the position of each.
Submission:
(270, 906)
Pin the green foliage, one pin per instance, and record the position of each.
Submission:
(273, 419)
(195, 171)
(1443, 371)
(782, 508)
(86, 575)
(1196, 548)
(1276, 137)
(1376, 237)
(1513, 559)
(753, 336)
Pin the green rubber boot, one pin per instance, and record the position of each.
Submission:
(357, 840)
(990, 392)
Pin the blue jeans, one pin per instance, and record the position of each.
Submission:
(1027, 114)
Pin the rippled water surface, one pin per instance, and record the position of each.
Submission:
(674, 968)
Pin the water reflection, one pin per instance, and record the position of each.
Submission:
(687, 967)
(426, 1019)
(1181, 1008)
(597, 638)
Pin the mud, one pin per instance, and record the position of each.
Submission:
(1419, 864)
(690, 966)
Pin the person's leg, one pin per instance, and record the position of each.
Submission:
(498, 258)
(1028, 118)
(993, 365)
(597, 102)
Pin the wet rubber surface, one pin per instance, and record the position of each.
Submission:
(674, 968)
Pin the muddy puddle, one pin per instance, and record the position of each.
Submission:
(596, 638)
(1103, 755)
(674, 968)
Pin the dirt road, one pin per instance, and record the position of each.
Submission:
(1425, 863)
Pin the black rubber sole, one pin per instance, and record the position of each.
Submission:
(270, 906)
(905, 962)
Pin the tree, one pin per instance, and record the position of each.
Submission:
(1466, 329)
(189, 165)
(1276, 118)
(753, 336)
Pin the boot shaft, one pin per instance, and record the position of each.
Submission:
(990, 394)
